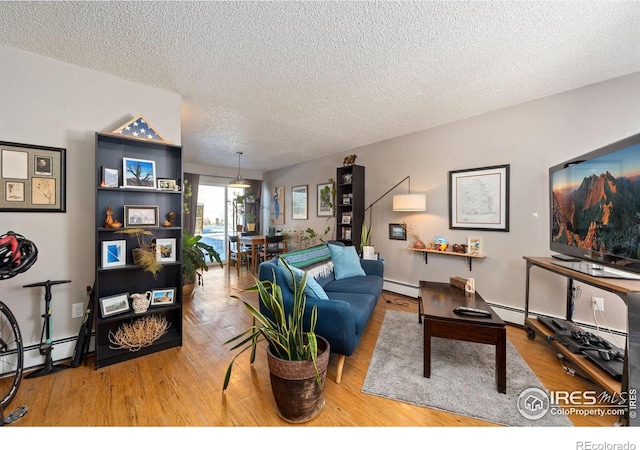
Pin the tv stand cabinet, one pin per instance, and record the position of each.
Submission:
(629, 292)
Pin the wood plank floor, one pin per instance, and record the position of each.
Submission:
(182, 386)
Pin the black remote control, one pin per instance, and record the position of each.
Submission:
(472, 311)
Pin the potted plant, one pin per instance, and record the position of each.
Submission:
(250, 219)
(194, 261)
(368, 250)
(145, 254)
(298, 358)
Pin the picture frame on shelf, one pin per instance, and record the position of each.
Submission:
(110, 177)
(397, 231)
(166, 249)
(114, 254)
(163, 297)
(474, 245)
(479, 198)
(32, 178)
(167, 184)
(138, 173)
(141, 216)
(324, 200)
(346, 219)
(299, 202)
(114, 304)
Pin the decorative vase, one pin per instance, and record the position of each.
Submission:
(419, 244)
(141, 302)
(295, 389)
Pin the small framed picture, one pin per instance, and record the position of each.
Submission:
(166, 250)
(43, 165)
(141, 216)
(110, 177)
(163, 297)
(397, 231)
(167, 184)
(138, 173)
(14, 191)
(114, 304)
(114, 254)
(474, 245)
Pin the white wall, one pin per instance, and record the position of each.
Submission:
(46, 102)
(530, 137)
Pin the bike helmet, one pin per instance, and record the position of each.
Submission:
(17, 254)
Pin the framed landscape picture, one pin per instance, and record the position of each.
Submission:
(139, 173)
(141, 216)
(166, 250)
(163, 297)
(114, 304)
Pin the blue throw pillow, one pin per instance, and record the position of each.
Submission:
(312, 288)
(346, 262)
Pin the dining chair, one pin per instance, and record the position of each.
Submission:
(238, 253)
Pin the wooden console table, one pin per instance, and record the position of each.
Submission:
(426, 252)
(629, 292)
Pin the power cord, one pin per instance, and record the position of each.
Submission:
(404, 302)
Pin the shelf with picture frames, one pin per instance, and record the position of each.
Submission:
(470, 256)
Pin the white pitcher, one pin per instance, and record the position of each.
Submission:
(141, 302)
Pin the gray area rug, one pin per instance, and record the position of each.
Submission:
(462, 375)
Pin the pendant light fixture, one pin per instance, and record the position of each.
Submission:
(239, 182)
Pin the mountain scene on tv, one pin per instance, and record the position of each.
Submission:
(602, 214)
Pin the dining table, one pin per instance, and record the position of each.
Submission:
(257, 244)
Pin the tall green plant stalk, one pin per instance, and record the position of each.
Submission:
(284, 334)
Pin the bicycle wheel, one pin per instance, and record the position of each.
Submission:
(11, 356)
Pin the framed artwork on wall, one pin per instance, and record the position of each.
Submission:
(479, 198)
(33, 178)
(299, 202)
(277, 205)
(397, 231)
(324, 200)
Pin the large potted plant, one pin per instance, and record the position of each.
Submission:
(195, 254)
(298, 358)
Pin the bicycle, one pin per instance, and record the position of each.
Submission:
(17, 255)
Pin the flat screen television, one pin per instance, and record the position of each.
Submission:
(595, 210)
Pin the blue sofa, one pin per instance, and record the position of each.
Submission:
(345, 310)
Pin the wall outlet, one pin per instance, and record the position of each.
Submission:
(598, 303)
(77, 310)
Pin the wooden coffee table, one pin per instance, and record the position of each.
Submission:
(438, 301)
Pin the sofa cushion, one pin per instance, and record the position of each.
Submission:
(316, 261)
(346, 262)
(311, 289)
(369, 284)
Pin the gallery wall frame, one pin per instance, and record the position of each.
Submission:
(324, 200)
(32, 178)
(300, 202)
(397, 231)
(479, 198)
(277, 205)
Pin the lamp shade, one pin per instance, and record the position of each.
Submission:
(410, 202)
(239, 182)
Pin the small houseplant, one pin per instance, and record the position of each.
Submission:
(299, 399)
(194, 261)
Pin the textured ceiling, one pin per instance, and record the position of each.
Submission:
(286, 82)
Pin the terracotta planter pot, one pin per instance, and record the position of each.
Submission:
(295, 389)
